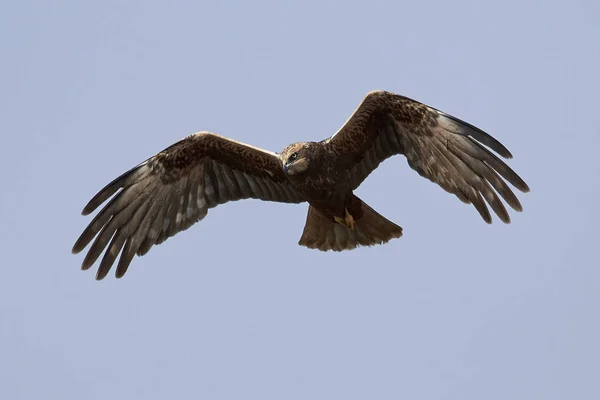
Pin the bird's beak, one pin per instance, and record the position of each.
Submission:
(286, 167)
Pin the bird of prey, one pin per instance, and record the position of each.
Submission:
(174, 189)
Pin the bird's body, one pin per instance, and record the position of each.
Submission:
(174, 189)
(324, 186)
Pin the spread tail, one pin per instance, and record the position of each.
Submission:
(323, 233)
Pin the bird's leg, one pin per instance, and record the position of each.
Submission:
(348, 220)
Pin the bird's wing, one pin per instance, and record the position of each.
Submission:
(440, 147)
(174, 189)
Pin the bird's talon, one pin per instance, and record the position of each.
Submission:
(348, 220)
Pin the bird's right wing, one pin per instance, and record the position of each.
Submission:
(174, 189)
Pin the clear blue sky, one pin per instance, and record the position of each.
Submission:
(233, 308)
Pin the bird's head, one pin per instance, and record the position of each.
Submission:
(296, 158)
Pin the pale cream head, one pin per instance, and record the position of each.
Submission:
(295, 158)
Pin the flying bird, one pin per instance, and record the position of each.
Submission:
(174, 189)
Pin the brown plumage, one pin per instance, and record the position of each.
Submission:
(174, 189)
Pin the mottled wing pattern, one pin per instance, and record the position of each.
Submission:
(174, 189)
(440, 147)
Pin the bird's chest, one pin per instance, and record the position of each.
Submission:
(328, 190)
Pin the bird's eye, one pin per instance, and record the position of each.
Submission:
(293, 156)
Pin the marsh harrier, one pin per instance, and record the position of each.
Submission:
(174, 189)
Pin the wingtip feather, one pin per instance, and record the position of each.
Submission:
(79, 245)
(477, 134)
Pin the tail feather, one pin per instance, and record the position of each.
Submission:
(323, 233)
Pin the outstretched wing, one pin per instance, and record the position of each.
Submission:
(174, 189)
(440, 147)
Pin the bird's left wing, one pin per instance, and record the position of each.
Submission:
(440, 147)
(174, 189)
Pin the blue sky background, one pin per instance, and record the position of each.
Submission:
(233, 308)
